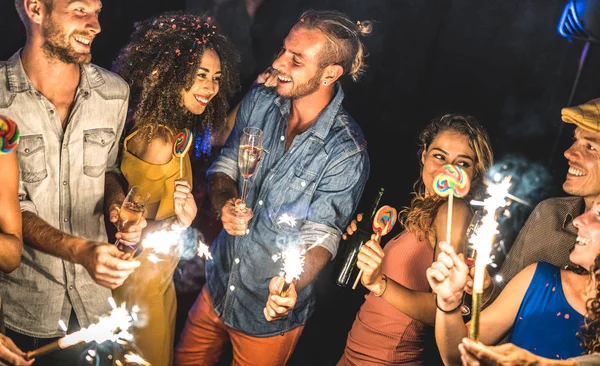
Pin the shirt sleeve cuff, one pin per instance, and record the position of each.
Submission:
(226, 166)
(315, 234)
(28, 206)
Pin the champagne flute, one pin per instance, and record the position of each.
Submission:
(470, 253)
(130, 214)
(249, 156)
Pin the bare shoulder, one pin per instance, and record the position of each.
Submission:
(156, 150)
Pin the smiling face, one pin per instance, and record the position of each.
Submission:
(583, 177)
(587, 246)
(297, 65)
(206, 83)
(69, 30)
(448, 147)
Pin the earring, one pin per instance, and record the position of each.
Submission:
(324, 82)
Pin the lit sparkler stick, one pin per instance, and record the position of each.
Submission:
(482, 241)
(293, 266)
(113, 327)
(136, 359)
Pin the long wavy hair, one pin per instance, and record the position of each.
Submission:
(162, 59)
(421, 213)
(590, 332)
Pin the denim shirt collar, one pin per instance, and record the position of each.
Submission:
(19, 82)
(323, 124)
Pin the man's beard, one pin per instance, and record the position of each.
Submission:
(307, 88)
(56, 45)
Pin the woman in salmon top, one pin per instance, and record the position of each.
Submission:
(393, 325)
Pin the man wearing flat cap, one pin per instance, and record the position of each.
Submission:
(548, 234)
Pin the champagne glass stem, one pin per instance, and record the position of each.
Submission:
(245, 186)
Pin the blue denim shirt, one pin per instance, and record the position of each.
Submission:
(61, 181)
(318, 181)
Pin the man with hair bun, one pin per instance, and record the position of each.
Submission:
(314, 166)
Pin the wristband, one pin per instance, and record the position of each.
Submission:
(385, 283)
(447, 311)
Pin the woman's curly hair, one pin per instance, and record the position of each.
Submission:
(421, 213)
(590, 332)
(162, 59)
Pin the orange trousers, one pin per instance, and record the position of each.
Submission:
(205, 336)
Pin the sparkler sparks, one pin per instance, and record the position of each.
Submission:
(135, 359)
(162, 242)
(114, 327)
(204, 250)
(287, 219)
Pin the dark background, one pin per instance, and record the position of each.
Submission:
(501, 61)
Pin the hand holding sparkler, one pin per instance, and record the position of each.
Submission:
(11, 354)
(279, 304)
(447, 277)
(105, 264)
(184, 203)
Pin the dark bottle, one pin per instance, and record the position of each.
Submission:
(347, 271)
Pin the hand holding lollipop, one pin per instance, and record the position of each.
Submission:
(9, 135)
(451, 181)
(183, 142)
(383, 223)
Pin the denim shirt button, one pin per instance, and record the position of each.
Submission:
(282, 138)
(303, 184)
(237, 261)
(232, 287)
(65, 219)
(260, 203)
(64, 183)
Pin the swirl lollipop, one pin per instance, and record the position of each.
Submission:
(183, 142)
(9, 135)
(451, 181)
(383, 222)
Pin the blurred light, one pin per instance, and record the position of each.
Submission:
(498, 278)
(580, 20)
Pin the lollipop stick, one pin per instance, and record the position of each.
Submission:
(377, 236)
(449, 223)
(181, 167)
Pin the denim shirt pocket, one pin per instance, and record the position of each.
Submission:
(96, 145)
(32, 158)
(297, 195)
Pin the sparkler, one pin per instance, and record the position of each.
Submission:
(136, 359)
(114, 327)
(482, 241)
(204, 250)
(162, 242)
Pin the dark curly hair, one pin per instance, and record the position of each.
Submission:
(421, 212)
(162, 59)
(590, 332)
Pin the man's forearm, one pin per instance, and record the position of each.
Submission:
(314, 261)
(221, 188)
(113, 190)
(40, 235)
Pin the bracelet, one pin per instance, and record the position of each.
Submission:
(385, 283)
(447, 311)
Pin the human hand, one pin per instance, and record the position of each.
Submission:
(10, 354)
(369, 261)
(487, 281)
(447, 277)
(351, 229)
(133, 234)
(476, 354)
(106, 264)
(277, 307)
(234, 219)
(184, 202)
(268, 77)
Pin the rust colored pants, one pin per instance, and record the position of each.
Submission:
(205, 336)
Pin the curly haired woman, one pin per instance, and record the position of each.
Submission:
(393, 323)
(181, 72)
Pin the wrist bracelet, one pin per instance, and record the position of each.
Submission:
(385, 283)
(447, 311)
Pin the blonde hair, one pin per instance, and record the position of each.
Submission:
(344, 46)
(421, 212)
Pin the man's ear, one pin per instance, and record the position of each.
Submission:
(36, 10)
(331, 74)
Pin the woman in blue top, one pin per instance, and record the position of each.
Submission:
(543, 305)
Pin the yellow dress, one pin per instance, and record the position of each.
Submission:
(151, 285)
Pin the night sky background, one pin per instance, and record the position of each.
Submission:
(502, 61)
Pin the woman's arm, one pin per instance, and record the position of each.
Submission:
(11, 236)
